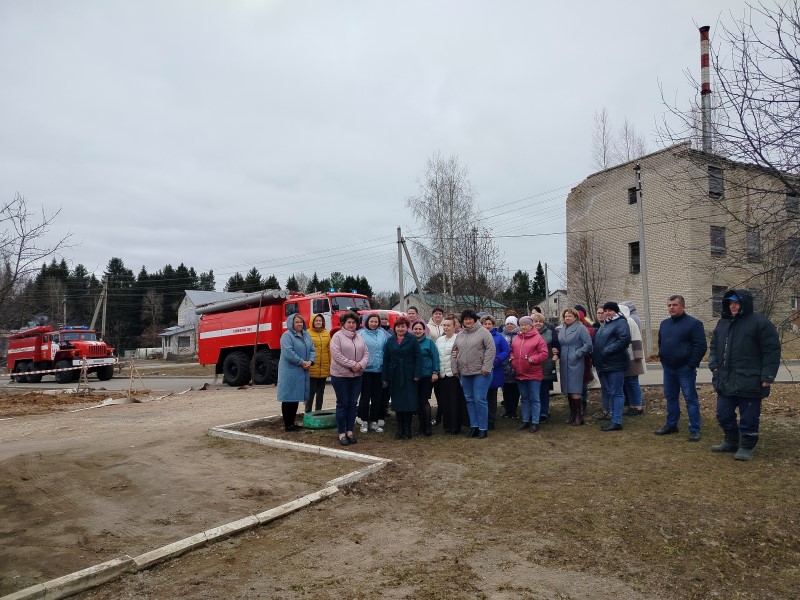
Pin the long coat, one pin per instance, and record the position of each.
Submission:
(401, 365)
(576, 344)
(293, 380)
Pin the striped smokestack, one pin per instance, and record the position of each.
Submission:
(705, 90)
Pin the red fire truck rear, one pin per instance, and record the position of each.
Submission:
(241, 336)
(41, 349)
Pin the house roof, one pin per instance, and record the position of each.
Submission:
(201, 297)
(170, 331)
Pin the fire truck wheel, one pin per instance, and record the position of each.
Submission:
(320, 419)
(33, 378)
(105, 372)
(236, 369)
(63, 376)
(266, 372)
(21, 368)
(76, 375)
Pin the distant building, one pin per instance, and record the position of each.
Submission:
(180, 341)
(556, 302)
(710, 224)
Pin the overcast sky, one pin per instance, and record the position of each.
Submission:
(287, 135)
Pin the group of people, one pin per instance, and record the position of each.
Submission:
(464, 360)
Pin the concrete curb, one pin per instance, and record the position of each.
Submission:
(85, 579)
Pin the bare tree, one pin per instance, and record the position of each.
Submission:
(587, 268)
(23, 247)
(445, 208)
(603, 148)
(630, 145)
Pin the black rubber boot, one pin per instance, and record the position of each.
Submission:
(729, 444)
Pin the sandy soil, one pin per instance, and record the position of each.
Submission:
(569, 513)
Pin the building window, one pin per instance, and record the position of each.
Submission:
(792, 205)
(716, 183)
(633, 198)
(753, 245)
(635, 260)
(183, 341)
(717, 241)
(795, 301)
(717, 293)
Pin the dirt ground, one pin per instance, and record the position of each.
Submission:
(565, 513)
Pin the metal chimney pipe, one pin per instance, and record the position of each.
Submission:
(705, 90)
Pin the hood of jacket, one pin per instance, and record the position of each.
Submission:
(746, 303)
(312, 321)
(290, 320)
(365, 317)
(626, 312)
(630, 305)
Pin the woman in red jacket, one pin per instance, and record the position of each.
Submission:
(528, 352)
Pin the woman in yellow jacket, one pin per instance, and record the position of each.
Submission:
(321, 368)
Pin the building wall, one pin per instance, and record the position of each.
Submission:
(678, 215)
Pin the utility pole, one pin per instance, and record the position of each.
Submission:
(400, 270)
(65, 310)
(100, 302)
(643, 263)
(546, 290)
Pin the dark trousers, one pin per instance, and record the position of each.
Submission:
(749, 417)
(449, 398)
(289, 412)
(424, 386)
(347, 390)
(316, 391)
(544, 400)
(491, 400)
(511, 398)
(370, 407)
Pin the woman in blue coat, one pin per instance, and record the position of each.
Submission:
(429, 374)
(297, 356)
(502, 352)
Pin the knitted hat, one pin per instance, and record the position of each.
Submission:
(526, 321)
(512, 319)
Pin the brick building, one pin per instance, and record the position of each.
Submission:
(710, 224)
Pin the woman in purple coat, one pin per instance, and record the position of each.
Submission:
(501, 354)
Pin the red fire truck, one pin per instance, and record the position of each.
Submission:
(41, 349)
(241, 336)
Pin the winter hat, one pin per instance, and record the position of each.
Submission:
(511, 319)
(526, 321)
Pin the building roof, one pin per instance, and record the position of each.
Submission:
(170, 331)
(201, 297)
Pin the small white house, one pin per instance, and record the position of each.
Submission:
(556, 302)
(180, 341)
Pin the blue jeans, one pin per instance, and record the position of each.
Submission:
(683, 378)
(633, 391)
(544, 401)
(347, 390)
(612, 384)
(529, 400)
(475, 389)
(749, 416)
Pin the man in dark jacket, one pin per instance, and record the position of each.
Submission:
(681, 347)
(744, 359)
(611, 359)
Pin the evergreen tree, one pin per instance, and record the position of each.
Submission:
(253, 281)
(235, 283)
(206, 282)
(538, 287)
(272, 283)
(337, 281)
(364, 287)
(314, 285)
(519, 292)
(291, 284)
